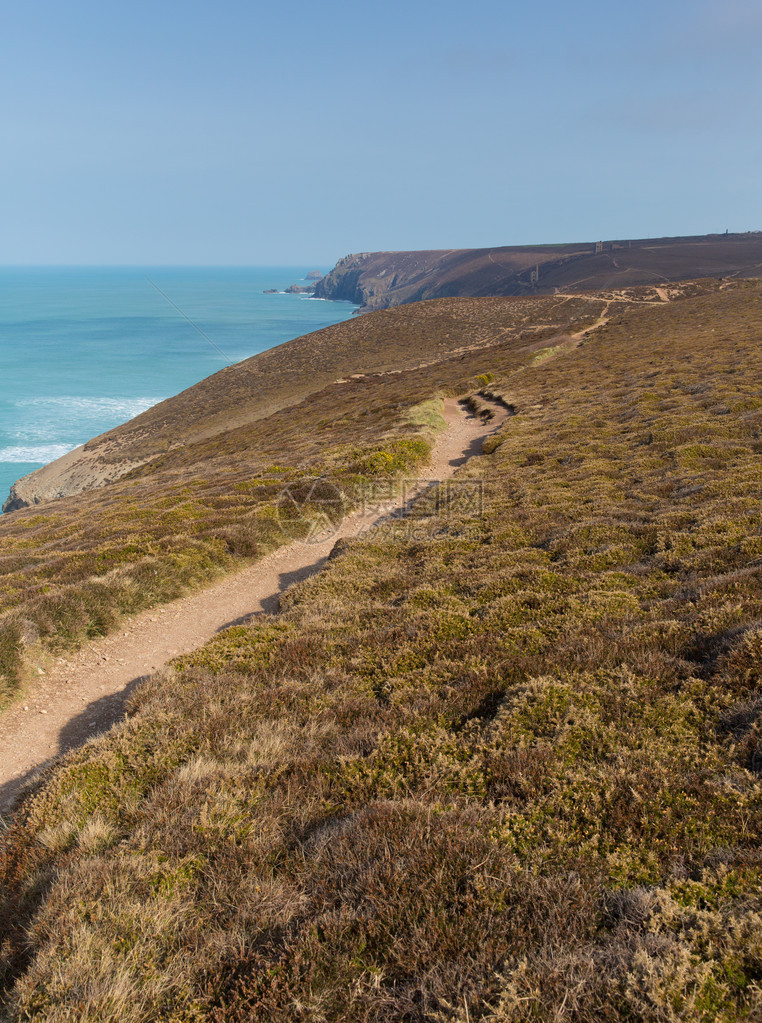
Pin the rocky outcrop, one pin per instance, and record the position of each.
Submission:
(377, 280)
(74, 472)
(14, 502)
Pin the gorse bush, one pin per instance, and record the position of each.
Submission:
(400, 456)
(508, 773)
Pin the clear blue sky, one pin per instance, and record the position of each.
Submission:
(263, 133)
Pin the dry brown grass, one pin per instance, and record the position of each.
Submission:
(70, 569)
(508, 773)
(387, 341)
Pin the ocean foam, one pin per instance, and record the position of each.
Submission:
(42, 453)
(83, 349)
(124, 408)
(40, 423)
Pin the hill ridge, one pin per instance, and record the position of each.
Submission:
(379, 280)
(503, 765)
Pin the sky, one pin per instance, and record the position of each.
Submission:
(251, 133)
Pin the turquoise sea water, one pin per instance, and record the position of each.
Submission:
(83, 349)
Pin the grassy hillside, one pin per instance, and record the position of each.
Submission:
(282, 377)
(205, 498)
(509, 771)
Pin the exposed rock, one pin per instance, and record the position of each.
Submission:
(314, 275)
(300, 289)
(74, 472)
(377, 280)
(270, 291)
(14, 502)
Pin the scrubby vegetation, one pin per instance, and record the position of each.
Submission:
(384, 342)
(509, 773)
(70, 569)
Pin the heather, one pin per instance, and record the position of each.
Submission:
(502, 766)
(219, 455)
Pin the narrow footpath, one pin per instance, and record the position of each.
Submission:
(80, 696)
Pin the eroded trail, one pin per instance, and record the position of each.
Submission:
(78, 697)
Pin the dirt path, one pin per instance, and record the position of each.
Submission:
(602, 320)
(82, 695)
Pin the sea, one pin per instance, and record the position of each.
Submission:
(83, 349)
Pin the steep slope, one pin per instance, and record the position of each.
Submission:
(284, 377)
(377, 280)
(83, 694)
(205, 498)
(501, 763)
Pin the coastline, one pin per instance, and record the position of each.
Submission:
(84, 346)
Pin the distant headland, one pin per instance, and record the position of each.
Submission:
(299, 289)
(378, 280)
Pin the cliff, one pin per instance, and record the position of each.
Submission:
(80, 469)
(377, 280)
(284, 376)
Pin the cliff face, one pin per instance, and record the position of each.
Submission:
(377, 280)
(80, 469)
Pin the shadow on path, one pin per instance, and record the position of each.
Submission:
(99, 715)
(474, 448)
(94, 719)
(270, 605)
